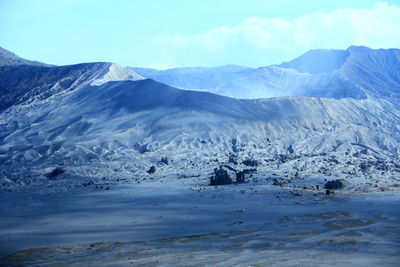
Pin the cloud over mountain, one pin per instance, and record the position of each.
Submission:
(261, 40)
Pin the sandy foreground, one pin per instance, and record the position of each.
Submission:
(181, 224)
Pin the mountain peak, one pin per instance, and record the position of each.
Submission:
(358, 48)
(116, 72)
(318, 61)
(9, 58)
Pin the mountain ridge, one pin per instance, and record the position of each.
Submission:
(21, 83)
(348, 79)
(144, 120)
(9, 58)
(95, 120)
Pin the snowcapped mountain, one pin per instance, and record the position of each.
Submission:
(103, 122)
(320, 73)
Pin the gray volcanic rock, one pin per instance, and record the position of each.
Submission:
(103, 121)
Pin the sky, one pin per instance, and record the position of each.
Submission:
(176, 33)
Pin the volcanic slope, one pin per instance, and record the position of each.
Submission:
(117, 130)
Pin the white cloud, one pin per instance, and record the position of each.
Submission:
(262, 41)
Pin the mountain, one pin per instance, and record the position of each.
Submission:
(9, 58)
(103, 123)
(195, 77)
(26, 83)
(353, 73)
(100, 165)
(119, 129)
(318, 61)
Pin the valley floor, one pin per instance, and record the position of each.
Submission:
(183, 224)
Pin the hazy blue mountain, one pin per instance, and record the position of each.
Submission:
(195, 77)
(318, 61)
(354, 73)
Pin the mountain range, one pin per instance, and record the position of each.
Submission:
(318, 73)
(328, 112)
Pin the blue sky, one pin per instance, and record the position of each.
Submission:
(162, 34)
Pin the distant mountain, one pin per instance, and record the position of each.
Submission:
(9, 58)
(353, 73)
(201, 78)
(318, 61)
